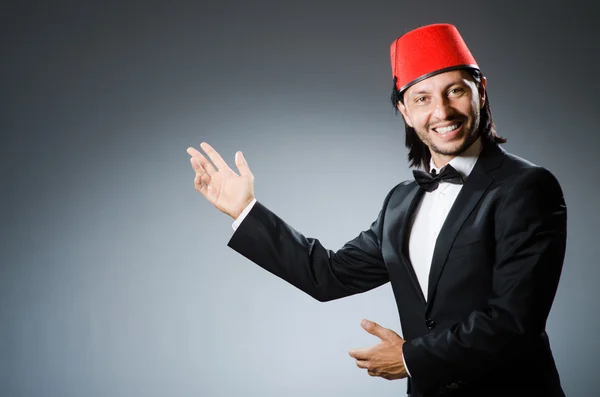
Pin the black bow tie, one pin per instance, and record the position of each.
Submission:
(430, 182)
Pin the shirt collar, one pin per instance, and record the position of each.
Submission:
(464, 162)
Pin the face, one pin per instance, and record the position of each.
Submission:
(445, 111)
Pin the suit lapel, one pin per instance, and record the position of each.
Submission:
(473, 190)
(400, 215)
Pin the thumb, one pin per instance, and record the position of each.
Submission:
(374, 329)
(242, 164)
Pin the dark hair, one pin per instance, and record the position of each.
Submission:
(418, 152)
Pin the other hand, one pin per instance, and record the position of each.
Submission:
(384, 359)
(229, 192)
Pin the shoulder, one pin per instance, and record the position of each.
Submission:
(516, 172)
(397, 194)
(401, 190)
(522, 183)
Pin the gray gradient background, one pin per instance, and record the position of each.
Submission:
(115, 278)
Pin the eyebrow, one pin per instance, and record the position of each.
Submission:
(411, 94)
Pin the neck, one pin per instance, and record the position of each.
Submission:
(441, 160)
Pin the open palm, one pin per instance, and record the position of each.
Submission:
(221, 186)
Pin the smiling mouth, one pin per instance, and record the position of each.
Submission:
(447, 129)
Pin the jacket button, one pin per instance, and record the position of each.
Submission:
(430, 323)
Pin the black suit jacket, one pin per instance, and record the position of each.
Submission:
(494, 274)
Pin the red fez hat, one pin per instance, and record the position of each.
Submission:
(426, 51)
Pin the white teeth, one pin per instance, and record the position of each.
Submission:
(445, 130)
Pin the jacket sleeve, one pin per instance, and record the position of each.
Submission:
(530, 248)
(304, 262)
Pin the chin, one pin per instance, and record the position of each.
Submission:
(452, 148)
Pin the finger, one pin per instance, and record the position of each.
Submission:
(363, 364)
(201, 160)
(199, 186)
(192, 151)
(360, 354)
(196, 165)
(202, 178)
(201, 174)
(375, 329)
(198, 160)
(202, 182)
(214, 156)
(195, 154)
(242, 164)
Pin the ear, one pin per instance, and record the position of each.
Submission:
(404, 112)
(482, 92)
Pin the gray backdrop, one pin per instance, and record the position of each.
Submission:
(115, 278)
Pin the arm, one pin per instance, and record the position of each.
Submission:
(268, 241)
(531, 241)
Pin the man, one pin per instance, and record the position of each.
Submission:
(473, 249)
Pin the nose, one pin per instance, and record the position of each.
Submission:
(442, 110)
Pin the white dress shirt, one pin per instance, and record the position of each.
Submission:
(432, 211)
(428, 217)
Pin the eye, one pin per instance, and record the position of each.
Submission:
(456, 90)
(421, 99)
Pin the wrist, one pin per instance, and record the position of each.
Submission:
(242, 209)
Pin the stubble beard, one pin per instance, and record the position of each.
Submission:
(471, 136)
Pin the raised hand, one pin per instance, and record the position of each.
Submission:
(227, 191)
(384, 359)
